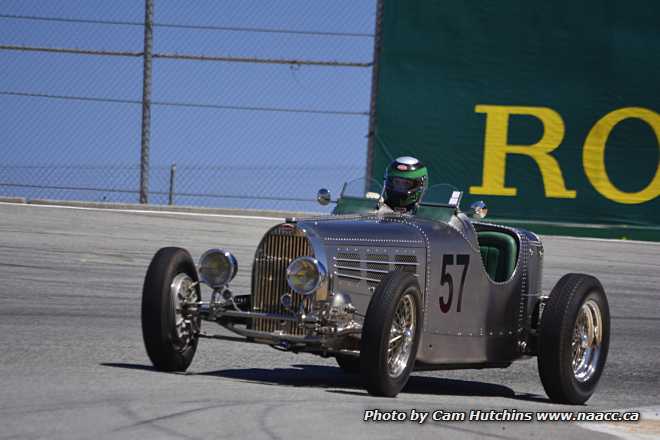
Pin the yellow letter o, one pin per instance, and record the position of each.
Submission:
(593, 156)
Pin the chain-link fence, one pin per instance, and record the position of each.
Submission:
(257, 103)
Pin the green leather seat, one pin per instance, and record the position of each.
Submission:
(499, 253)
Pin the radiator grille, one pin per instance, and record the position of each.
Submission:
(276, 250)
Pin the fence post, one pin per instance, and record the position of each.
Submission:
(170, 200)
(146, 101)
(378, 41)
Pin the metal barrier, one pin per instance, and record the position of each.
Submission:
(257, 112)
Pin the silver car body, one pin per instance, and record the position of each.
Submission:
(469, 319)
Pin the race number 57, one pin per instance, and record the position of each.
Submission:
(446, 278)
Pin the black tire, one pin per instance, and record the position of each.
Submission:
(556, 334)
(349, 364)
(376, 333)
(158, 326)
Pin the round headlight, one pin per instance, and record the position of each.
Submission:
(217, 268)
(305, 274)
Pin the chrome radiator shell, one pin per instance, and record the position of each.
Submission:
(279, 246)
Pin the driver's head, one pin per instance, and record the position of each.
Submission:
(406, 179)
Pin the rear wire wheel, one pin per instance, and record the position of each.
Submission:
(573, 339)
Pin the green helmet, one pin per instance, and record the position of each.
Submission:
(406, 179)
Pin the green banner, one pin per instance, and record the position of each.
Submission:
(548, 111)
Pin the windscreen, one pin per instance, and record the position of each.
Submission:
(442, 194)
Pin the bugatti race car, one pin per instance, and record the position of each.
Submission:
(387, 293)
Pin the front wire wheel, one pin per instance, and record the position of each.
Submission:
(170, 309)
(401, 336)
(391, 334)
(185, 305)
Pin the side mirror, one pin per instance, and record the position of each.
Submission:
(478, 209)
(323, 197)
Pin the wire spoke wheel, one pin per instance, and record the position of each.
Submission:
(402, 332)
(186, 315)
(574, 338)
(586, 343)
(171, 299)
(390, 334)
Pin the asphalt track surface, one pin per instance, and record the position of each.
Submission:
(73, 365)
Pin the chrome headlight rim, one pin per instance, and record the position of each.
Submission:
(217, 281)
(321, 275)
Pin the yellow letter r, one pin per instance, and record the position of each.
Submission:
(496, 148)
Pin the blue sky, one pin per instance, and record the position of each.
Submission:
(217, 151)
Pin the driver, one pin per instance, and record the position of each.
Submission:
(406, 179)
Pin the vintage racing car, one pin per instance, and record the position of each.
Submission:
(389, 293)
